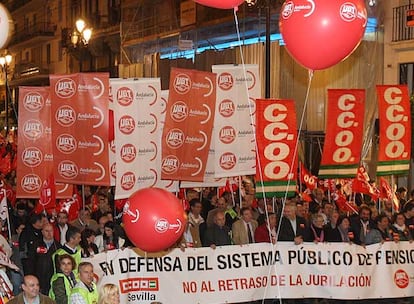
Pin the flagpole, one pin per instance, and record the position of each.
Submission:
(7, 214)
(393, 193)
(300, 177)
(83, 197)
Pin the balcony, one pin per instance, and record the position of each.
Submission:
(403, 23)
(35, 33)
(31, 73)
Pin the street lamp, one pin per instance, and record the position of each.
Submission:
(5, 63)
(80, 38)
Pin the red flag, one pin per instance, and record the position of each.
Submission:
(71, 205)
(343, 204)
(385, 192)
(5, 164)
(307, 178)
(361, 183)
(48, 193)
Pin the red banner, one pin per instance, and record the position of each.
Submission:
(344, 133)
(188, 125)
(34, 151)
(395, 130)
(276, 133)
(80, 128)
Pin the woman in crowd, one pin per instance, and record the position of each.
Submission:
(316, 232)
(400, 229)
(110, 239)
(266, 232)
(89, 248)
(109, 294)
(341, 232)
(64, 280)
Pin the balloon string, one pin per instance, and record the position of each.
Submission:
(252, 122)
(310, 77)
(258, 159)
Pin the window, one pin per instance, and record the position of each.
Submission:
(48, 53)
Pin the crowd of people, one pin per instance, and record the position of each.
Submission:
(48, 248)
(218, 221)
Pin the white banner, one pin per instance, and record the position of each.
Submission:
(232, 274)
(233, 142)
(138, 113)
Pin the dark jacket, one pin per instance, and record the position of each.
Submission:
(44, 263)
(286, 232)
(218, 236)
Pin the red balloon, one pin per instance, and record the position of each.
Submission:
(154, 219)
(320, 33)
(223, 4)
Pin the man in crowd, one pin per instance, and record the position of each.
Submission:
(84, 221)
(44, 250)
(244, 228)
(292, 227)
(31, 233)
(218, 234)
(361, 225)
(61, 227)
(71, 247)
(409, 214)
(31, 293)
(85, 291)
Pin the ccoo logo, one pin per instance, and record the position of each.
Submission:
(288, 9)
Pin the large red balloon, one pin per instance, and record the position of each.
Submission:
(223, 4)
(320, 33)
(154, 219)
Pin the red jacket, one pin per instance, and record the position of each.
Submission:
(261, 234)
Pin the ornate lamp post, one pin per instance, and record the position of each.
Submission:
(5, 63)
(80, 38)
